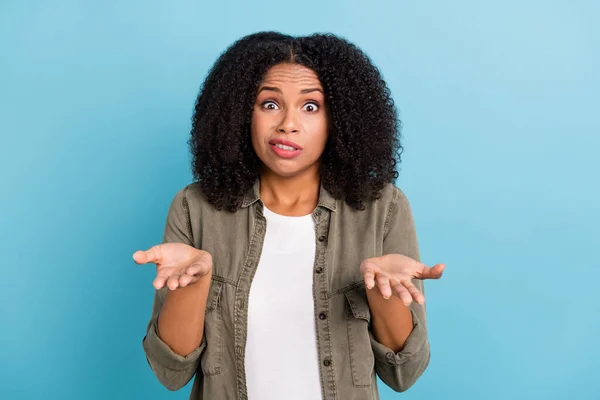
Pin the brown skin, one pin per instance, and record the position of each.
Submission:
(187, 273)
(290, 105)
(390, 292)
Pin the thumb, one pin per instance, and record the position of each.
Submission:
(434, 272)
(152, 255)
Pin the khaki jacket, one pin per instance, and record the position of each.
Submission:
(350, 356)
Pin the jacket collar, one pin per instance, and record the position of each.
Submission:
(253, 195)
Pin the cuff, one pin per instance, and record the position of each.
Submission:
(159, 351)
(415, 341)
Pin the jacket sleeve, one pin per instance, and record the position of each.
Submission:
(402, 369)
(172, 370)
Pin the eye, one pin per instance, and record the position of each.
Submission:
(311, 107)
(269, 105)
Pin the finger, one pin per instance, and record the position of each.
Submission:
(434, 272)
(403, 293)
(414, 292)
(140, 257)
(368, 270)
(197, 270)
(369, 277)
(152, 255)
(185, 280)
(384, 286)
(173, 282)
(160, 281)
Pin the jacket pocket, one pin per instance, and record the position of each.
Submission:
(213, 331)
(358, 317)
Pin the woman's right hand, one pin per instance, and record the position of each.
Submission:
(177, 264)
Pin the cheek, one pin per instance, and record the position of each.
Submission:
(320, 128)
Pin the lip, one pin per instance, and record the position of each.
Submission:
(287, 154)
(285, 143)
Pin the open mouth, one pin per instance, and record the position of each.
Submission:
(284, 147)
(285, 150)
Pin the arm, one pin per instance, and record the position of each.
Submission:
(181, 319)
(174, 339)
(392, 321)
(398, 332)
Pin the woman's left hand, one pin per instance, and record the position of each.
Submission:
(393, 274)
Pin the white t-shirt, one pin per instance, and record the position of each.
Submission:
(281, 350)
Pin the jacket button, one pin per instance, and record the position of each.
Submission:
(319, 270)
(322, 315)
(327, 362)
(322, 238)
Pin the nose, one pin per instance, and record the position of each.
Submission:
(289, 123)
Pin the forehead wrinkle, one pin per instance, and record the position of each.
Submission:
(292, 77)
(308, 81)
(300, 74)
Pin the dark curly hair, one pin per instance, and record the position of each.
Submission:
(363, 146)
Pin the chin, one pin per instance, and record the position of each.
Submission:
(285, 172)
(290, 170)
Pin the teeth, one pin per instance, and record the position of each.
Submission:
(284, 147)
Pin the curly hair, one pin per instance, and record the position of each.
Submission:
(363, 147)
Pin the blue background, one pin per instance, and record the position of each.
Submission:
(500, 106)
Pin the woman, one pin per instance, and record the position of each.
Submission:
(289, 269)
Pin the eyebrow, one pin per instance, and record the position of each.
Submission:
(303, 91)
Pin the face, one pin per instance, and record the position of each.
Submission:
(289, 120)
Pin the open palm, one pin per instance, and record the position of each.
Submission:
(393, 274)
(177, 264)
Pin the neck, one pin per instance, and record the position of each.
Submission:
(293, 196)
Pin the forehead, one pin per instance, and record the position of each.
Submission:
(291, 74)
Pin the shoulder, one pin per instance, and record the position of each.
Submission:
(392, 198)
(189, 197)
(190, 193)
(193, 193)
(392, 193)
(391, 202)
(393, 207)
